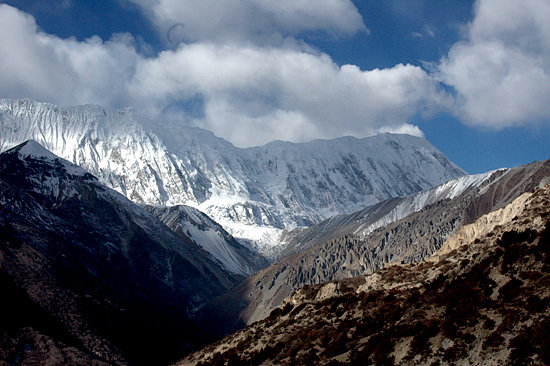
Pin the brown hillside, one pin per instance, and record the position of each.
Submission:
(486, 302)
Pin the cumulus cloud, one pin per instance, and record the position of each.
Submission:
(43, 67)
(264, 84)
(258, 21)
(249, 94)
(283, 93)
(501, 71)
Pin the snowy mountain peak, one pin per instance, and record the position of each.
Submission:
(254, 193)
(34, 149)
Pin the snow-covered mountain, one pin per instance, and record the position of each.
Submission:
(254, 193)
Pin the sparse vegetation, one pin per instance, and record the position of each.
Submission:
(493, 295)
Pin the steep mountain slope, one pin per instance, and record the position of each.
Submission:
(386, 212)
(99, 279)
(254, 193)
(223, 248)
(409, 239)
(486, 302)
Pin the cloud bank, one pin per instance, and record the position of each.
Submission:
(501, 71)
(243, 70)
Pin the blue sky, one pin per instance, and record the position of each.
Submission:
(473, 77)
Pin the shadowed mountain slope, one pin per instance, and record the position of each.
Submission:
(88, 276)
(222, 247)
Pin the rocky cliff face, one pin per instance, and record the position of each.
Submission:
(253, 193)
(485, 302)
(90, 277)
(409, 239)
(486, 224)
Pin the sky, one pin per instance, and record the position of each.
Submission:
(471, 76)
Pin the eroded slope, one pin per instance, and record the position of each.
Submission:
(487, 302)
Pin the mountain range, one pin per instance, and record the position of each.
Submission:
(254, 193)
(406, 229)
(124, 241)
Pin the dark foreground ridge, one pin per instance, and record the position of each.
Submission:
(89, 278)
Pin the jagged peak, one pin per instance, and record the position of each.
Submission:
(34, 149)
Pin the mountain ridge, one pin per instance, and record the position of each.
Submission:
(385, 212)
(253, 193)
(205, 232)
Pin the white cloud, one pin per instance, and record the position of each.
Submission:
(252, 92)
(501, 72)
(264, 21)
(20, 47)
(249, 94)
(283, 93)
(43, 67)
(427, 31)
(405, 129)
